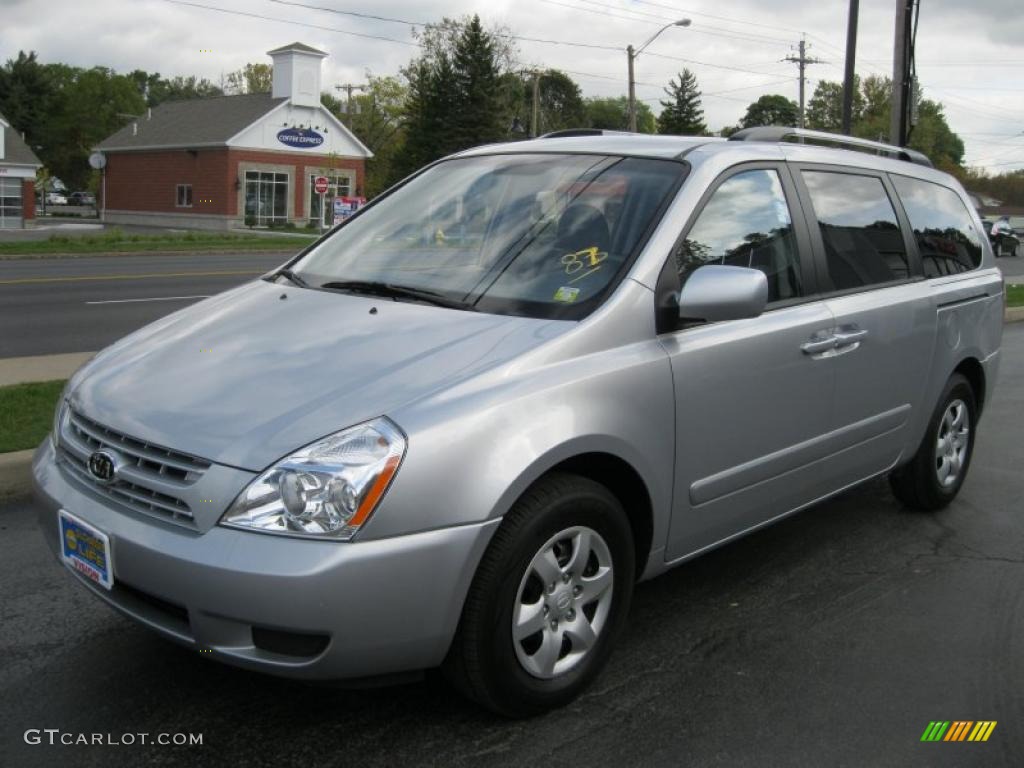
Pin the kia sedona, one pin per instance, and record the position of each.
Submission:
(459, 428)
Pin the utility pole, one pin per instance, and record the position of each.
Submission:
(349, 87)
(901, 73)
(802, 60)
(535, 114)
(631, 54)
(849, 79)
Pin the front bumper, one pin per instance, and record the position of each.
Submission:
(320, 610)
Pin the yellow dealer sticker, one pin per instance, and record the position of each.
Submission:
(567, 294)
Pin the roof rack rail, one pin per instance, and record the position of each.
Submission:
(780, 133)
(568, 132)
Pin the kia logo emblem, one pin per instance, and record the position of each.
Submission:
(102, 466)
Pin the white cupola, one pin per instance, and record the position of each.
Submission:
(297, 74)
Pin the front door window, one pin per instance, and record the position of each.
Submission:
(266, 197)
(339, 185)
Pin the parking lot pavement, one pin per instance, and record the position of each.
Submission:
(1012, 267)
(832, 638)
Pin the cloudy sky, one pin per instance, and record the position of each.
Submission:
(970, 55)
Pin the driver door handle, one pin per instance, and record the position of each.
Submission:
(818, 346)
(846, 338)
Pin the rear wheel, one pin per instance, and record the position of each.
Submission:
(549, 597)
(932, 479)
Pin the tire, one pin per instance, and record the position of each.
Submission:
(932, 478)
(516, 677)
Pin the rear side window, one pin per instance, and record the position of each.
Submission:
(746, 223)
(943, 227)
(863, 242)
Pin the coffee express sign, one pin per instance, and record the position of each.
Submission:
(300, 138)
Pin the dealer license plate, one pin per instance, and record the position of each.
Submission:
(86, 550)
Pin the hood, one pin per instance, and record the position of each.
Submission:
(253, 374)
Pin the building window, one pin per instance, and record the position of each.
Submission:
(10, 203)
(266, 198)
(339, 185)
(184, 199)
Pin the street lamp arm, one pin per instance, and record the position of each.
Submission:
(652, 38)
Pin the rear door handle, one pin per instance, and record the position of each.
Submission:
(818, 346)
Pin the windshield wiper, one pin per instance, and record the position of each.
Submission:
(286, 272)
(390, 290)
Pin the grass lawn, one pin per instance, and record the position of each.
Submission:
(116, 240)
(26, 413)
(1015, 295)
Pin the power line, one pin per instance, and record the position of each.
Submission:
(543, 41)
(290, 21)
(662, 18)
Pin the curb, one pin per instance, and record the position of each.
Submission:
(26, 370)
(1014, 315)
(15, 474)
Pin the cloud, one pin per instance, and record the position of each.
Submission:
(735, 49)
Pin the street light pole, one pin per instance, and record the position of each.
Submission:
(631, 55)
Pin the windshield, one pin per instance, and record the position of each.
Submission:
(538, 235)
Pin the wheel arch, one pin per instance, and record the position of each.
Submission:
(615, 472)
(972, 370)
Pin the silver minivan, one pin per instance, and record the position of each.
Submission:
(459, 428)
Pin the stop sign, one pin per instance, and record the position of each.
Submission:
(320, 184)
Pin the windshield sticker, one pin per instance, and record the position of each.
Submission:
(567, 294)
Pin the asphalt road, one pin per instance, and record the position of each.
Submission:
(49, 306)
(830, 639)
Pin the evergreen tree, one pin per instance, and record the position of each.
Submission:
(682, 115)
(478, 118)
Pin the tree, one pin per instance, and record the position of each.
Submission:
(156, 89)
(480, 118)
(377, 121)
(560, 105)
(871, 109)
(25, 93)
(458, 94)
(252, 78)
(825, 107)
(682, 115)
(89, 105)
(612, 113)
(770, 109)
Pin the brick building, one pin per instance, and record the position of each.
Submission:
(229, 161)
(18, 165)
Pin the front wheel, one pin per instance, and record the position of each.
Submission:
(549, 597)
(932, 479)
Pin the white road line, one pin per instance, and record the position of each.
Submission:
(157, 298)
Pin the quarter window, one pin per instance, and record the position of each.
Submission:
(863, 242)
(945, 232)
(746, 223)
(184, 199)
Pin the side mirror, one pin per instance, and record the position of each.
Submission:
(717, 292)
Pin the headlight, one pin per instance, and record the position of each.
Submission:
(60, 414)
(327, 489)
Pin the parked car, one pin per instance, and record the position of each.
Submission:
(81, 198)
(1002, 237)
(56, 198)
(460, 427)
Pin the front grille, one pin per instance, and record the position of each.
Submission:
(149, 478)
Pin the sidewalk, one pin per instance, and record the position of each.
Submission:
(21, 370)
